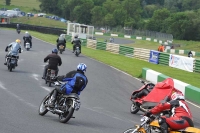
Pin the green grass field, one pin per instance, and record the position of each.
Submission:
(24, 5)
(40, 21)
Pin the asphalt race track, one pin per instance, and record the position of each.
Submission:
(104, 102)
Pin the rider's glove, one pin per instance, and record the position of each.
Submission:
(148, 114)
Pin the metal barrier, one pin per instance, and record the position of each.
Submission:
(164, 59)
(141, 53)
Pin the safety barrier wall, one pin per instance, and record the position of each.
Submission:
(142, 54)
(163, 59)
(127, 51)
(139, 53)
(197, 66)
(91, 43)
(182, 52)
(113, 48)
(191, 93)
(133, 37)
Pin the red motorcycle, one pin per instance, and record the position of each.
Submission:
(160, 92)
(138, 95)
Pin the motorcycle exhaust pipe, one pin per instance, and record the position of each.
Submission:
(143, 109)
(58, 111)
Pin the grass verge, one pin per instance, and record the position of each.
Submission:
(131, 66)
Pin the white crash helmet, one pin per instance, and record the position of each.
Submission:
(177, 96)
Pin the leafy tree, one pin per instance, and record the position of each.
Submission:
(111, 5)
(82, 11)
(109, 20)
(133, 9)
(119, 16)
(8, 2)
(156, 22)
(98, 13)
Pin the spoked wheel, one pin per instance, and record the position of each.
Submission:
(134, 108)
(64, 117)
(42, 109)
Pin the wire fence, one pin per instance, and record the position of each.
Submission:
(135, 32)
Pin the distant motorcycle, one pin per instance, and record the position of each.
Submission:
(11, 62)
(51, 74)
(64, 105)
(61, 49)
(77, 51)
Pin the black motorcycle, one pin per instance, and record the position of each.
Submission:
(64, 105)
(11, 63)
(61, 49)
(77, 51)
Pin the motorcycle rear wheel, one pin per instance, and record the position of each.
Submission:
(134, 108)
(42, 109)
(63, 118)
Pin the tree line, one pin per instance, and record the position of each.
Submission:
(177, 17)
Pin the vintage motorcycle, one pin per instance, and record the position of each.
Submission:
(50, 76)
(160, 92)
(77, 51)
(61, 49)
(64, 105)
(11, 62)
(151, 125)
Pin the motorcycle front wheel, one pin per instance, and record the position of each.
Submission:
(131, 130)
(42, 109)
(134, 108)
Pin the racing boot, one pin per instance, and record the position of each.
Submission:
(163, 125)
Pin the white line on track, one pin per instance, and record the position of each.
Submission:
(119, 71)
(19, 98)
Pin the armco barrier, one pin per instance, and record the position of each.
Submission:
(142, 54)
(191, 93)
(164, 59)
(127, 51)
(101, 45)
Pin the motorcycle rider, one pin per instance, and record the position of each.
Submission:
(27, 38)
(77, 81)
(76, 41)
(18, 27)
(180, 116)
(61, 41)
(54, 62)
(15, 49)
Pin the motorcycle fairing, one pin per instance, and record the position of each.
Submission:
(192, 130)
(160, 91)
